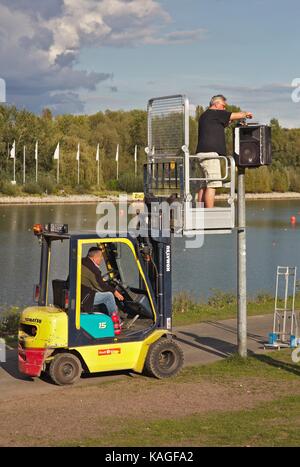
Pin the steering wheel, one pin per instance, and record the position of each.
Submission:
(107, 274)
(117, 283)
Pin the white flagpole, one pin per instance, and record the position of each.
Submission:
(13, 156)
(24, 165)
(78, 164)
(135, 161)
(98, 164)
(56, 156)
(36, 161)
(117, 160)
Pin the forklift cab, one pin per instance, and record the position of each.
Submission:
(121, 268)
(66, 334)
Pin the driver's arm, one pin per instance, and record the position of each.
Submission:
(118, 295)
(105, 286)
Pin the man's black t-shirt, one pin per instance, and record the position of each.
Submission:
(211, 133)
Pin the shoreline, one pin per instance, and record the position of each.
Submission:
(92, 199)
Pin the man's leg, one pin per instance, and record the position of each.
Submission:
(107, 299)
(209, 197)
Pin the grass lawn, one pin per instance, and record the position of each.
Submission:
(220, 306)
(275, 422)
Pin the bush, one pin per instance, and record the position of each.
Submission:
(183, 302)
(129, 183)
(258, 180)
(82, 188)
(219, 299)
(9, 322)
(47, 185)
(113, 185)
(294, 179)
(280, 181)
(9, 190)
(32, 188)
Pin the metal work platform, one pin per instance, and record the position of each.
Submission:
(173, 174)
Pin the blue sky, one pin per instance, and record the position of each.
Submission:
(90, 55)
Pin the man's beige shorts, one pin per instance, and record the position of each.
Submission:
(211, 169)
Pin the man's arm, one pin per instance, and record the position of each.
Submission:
(240, 115)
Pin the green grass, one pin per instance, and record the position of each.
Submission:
(220, 305)
(270, 424)
(274, 423)
(272, 366)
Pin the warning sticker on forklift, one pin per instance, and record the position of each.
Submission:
(102, 352)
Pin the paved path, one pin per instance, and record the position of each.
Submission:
(202, 343)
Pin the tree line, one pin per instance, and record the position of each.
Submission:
(108, 129)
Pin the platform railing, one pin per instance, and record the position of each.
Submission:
(228, 179)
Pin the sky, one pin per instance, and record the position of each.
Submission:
(85, 56)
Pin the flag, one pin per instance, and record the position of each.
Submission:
(78, 153)
(117, 154)
(135, 154)
(13, 151)
(97, 153)
(56, 153)
(36, 150)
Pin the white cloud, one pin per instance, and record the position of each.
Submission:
(40, 43)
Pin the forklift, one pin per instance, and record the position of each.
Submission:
(65, 337)
(59, 338)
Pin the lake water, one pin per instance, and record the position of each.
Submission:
(271, 241)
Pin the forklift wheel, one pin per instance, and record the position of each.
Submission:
(65, 368)
(165, 359)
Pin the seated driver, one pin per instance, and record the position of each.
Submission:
(94, 290)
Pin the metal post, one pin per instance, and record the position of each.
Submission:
(242, 294)
(78, 172)
(24, 165)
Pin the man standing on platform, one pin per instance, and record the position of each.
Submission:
(211, 139)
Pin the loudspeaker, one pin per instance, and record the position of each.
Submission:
(252, 145)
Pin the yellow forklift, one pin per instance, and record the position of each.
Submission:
(56, 336)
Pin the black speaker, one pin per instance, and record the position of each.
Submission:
(252, 145)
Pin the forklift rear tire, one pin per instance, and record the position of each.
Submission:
(164, 359)
(65, 368)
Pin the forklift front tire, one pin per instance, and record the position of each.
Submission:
(65, 368)
(164, 359)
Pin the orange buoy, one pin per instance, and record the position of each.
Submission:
(293, 219)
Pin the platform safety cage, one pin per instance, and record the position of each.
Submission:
(168, 127)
